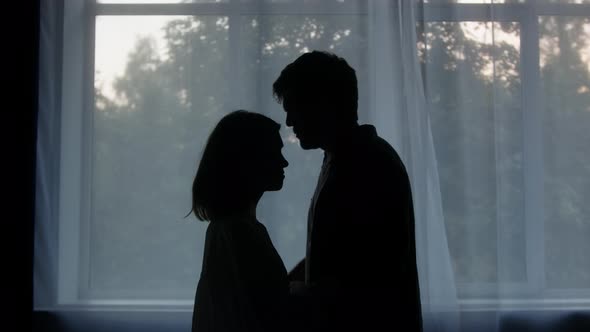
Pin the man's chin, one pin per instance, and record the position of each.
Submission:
(306, 145)
(275, 187)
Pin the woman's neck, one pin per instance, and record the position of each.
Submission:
(248, 210)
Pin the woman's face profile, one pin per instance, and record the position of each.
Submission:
(267, 170)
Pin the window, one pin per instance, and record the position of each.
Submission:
(164, 73)
(508, 90)
(506, 83)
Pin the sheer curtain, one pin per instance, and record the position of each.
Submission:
(511, 175)
(401, 116)
(486, 103)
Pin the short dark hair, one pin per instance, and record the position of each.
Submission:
(219, 185)
(322, 76)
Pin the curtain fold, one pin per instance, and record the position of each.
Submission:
(401, 115)
(48, 138)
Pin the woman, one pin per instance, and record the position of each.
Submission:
(243, 285)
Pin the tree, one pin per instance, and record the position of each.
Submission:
(480, 148)
(147, 143)
(566, 119)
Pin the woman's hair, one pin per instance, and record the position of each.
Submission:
(220, 184)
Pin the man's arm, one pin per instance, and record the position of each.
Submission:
(372, 232)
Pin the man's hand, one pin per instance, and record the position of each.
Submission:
(298, 272)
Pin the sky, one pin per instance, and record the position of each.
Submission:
(116, 37)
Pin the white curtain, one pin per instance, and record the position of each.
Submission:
(511, 178)
(487, 104)
(401, 116)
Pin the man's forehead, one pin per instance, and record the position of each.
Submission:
(295, 94)
(297, 99)
(289, 104)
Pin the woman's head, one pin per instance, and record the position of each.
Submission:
(241, 160)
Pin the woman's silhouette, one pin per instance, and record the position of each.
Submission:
(243, 285)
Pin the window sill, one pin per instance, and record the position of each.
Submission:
(149, 318)
(102, 319)
(529, 305)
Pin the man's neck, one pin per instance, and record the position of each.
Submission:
(340, 137)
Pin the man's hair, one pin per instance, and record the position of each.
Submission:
(220, 183)
(320, 76)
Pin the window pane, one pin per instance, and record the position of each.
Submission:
(565, 72)
(162, 83)
(473, 89)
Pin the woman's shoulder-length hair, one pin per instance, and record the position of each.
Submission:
(219, 184)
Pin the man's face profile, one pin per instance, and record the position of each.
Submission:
(305, 117)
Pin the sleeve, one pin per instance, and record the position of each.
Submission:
(374, 230)
(385, 220)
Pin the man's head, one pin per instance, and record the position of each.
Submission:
(319, 93)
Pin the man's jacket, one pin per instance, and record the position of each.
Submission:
(361, 253)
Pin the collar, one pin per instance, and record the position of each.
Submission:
(351, 141)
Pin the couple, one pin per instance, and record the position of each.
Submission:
(359, 272)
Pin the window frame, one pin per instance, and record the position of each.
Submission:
(78, 105)
(77, 126)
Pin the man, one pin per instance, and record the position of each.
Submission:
(360, 265)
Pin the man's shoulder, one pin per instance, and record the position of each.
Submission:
(375, 152)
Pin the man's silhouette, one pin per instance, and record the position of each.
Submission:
(360, 266)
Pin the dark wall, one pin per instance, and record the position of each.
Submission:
(20, 40)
